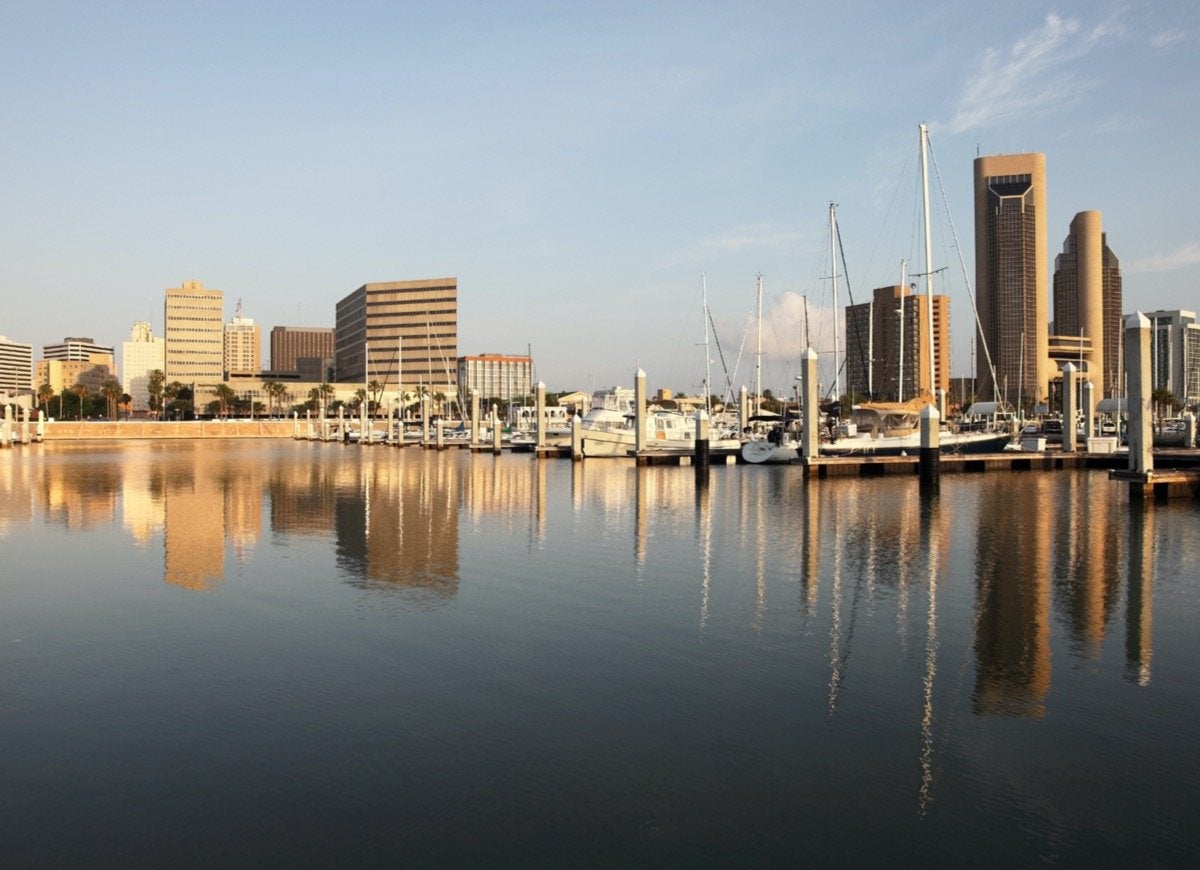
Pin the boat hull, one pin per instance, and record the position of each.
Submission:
(910, 445)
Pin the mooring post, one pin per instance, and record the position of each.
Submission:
(474, 419)
(743, 408)
(424, 421)
(639, 411)
(1137, 364)
(1069, 415)
(496, 433)
(540, 410)
(6, 429)
(930, 459)
(1189, 430)
(702, 441)
(576, 438)
(810, 424)
(1089, 412)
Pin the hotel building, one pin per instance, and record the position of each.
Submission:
(16, 366)
(409, 330)
(1010, 278)
(1175, 354)
(141, 355)
(1087, 304)
(195, 337)
(243, 343)
(494, 376)
(888, 345)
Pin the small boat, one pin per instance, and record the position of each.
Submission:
(893, 429)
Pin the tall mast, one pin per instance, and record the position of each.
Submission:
(707, 355)
(758, 349)
(903, 324)
(924, 135)
(837, 360)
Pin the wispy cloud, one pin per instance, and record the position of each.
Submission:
(1032, 77)
(1167, 38)
(735, 241)
(1188, 255)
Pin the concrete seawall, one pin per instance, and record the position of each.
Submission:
(68, 430)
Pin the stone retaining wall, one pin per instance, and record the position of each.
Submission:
(68, 430)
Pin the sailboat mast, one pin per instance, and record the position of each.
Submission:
(707, 355)
(837, 365)
(758, 349)
(924, 135)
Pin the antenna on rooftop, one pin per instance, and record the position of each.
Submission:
(239, 309)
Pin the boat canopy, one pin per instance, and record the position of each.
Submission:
(988, 409)
(1112, 406)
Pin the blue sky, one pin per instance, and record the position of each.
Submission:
(577, 166)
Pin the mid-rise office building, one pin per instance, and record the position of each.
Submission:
(16, 366)
(1010, 278)
(141, 355)
(194, 334)
(1087, 302)
(243, 343)
(495, 376)
(888, 345)
(403, 334)
(1175, 354)
(64, 374)
(77, 350)
(307, 351)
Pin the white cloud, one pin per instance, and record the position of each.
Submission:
(1188, 255)
(1167, 38)
(734, 241)
(1032, 77)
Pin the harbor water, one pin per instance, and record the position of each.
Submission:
(290, 653)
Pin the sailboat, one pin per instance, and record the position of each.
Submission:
(777, 445)
(893, 428)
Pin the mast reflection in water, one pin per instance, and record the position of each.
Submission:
(296, 653)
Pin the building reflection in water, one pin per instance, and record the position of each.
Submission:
(397, 524)
(1012, 607)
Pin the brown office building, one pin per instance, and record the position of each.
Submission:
(888, 346)
(303, 350)
(1010, 278)
(1087, 302)
(400, 333)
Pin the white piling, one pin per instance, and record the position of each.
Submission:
(1069, 415)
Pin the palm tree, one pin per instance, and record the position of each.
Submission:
(225, 394)
(44, 394)
(81, 390)
(269, 389)
(278, 392)
(375, 388)
(112, 392)
(173, 395)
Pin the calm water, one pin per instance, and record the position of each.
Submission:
(290, 653)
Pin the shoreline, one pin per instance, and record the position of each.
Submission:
(122, 430)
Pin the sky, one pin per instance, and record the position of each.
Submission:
(588, 171)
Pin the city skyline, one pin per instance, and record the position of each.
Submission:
(577, 168)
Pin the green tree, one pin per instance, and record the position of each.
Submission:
(81, 392)
(154, 388)
(112, 392)
(225, 396)
(44, 394)
(375, 389)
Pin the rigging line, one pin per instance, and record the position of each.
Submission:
(937, 171)
(862, 362)
(728, 395)
(900, 177)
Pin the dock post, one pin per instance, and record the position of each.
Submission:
(496, 434)
(930, 458)
(743, 410)
(810, 425)
(6, 428)
(701, 461)
(1089, 412)
(439, 434)
(576, 438)
(25, 439)
(1137, 366)
(539, 407)
(1069, 415)
(424, 421)
(1189, 430)
(639, 412)
(474, 419)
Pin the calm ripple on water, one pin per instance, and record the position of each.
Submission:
(288, 653)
